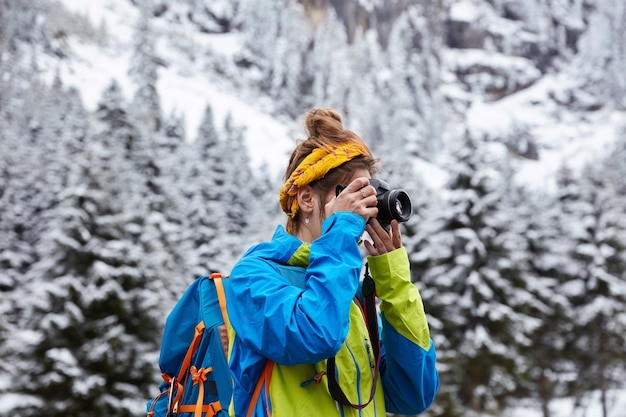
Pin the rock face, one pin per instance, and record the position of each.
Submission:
(356, 15)
(529, 29)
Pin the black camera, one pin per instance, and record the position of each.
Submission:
(393, 204)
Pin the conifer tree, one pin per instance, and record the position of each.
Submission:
(289, 78)
(86, 310)
(265, 212)
(541, 339)
(169, 152)
(202, 176)
(470, 284)
(413, 63)
(261, 28)
(143, 72)
(331, 69)
(42, 133)
(91, 327)
(592, 278)
(236, 199)
(368, 97)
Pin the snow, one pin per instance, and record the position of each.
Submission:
(183, 88)
(590, 406)
(561, 138)
(463, 11)
(187, 89)
(267, 138)
(225, 44)
(91, 71)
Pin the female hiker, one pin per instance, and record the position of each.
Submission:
(301, 342)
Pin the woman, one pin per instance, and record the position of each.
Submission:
(300, 344)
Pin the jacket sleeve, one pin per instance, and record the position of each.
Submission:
(408, 365)
(291, 325)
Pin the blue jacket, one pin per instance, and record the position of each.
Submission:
(300, 326)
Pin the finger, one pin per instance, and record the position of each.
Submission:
(368, 191)
(386, 237)
(396, 237)
(357, 184)
(370, 248)
(380, 237)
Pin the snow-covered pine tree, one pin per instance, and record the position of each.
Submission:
(265, 212)
(86, 310)
(42, 132)
(368, 97)
(470, 285)
(260, 28)
(592, 278)
(330, 67)
(89, 311)
(152, 197)
(170, 145)
(413, 60)
(290, 79)
(538, 341)
(143, 71)
(201, 184)
(236, 199)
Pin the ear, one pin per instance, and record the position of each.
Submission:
(306, 199)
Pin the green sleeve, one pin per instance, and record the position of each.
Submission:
(401, 301)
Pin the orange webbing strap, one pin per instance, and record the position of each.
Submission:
(264, 379)
(221, 296)
(192, 348)
(198, 376)
(210, 409)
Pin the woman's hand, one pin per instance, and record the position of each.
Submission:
(383, 241)
(358, 197)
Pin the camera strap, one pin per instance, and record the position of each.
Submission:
(368, 308)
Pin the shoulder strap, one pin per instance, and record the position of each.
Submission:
(371, 320)
(221, 297)
(264, 380)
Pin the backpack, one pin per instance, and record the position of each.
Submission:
(194, 351)
(196, 378)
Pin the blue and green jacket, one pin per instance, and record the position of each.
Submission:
(300, 326)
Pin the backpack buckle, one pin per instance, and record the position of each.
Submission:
(170, 412)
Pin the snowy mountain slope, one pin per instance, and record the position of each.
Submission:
(197, 69)
(558, 135)
(185, 85)
(548, 118)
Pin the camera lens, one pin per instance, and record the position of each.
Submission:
(399, 205)
(393, 204)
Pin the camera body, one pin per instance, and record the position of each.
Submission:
(392, 203)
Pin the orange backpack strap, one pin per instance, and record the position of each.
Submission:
(198, 377)
(221, 296)
(264, 380)
(177, 383)
(192, 349)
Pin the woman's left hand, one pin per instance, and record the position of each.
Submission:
(383, 241)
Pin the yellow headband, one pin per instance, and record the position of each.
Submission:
(315, 166)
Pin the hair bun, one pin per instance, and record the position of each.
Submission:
(323, 121)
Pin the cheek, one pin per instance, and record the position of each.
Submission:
(324, 206)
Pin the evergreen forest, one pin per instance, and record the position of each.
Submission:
(111, 207)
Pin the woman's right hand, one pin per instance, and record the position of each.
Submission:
(358, 197)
